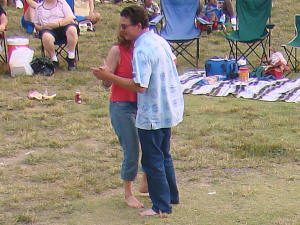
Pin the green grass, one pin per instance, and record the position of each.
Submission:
(60, 161)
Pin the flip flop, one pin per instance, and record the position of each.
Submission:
(34, 94)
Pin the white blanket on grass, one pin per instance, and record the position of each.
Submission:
(287, 90)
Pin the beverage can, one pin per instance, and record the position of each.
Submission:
(78, 97)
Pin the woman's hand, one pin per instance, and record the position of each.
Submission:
(101, 74)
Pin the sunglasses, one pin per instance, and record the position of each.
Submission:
(124, 26)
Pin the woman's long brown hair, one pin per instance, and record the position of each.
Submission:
(122, 41)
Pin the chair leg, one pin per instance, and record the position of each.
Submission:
(180, 48)
(292, 58)
(3, 57)
(197, 53)
(238, 53)
(264, 56)
(77, 52)
(62, 52)
(5, 50)
(232, 46)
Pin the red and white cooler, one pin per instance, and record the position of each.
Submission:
(14, 42)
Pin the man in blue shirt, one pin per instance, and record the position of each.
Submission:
(160, 105)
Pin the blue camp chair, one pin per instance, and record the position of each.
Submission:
(291, 47)
(253, 31)
(180, 30)
(62, 43)
(154, 22)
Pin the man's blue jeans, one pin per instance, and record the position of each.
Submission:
(122, 115)
(158, 165)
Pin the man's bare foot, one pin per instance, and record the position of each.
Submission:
(132, 202)
(148, 212)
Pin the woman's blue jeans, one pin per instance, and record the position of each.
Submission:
(158, 165)
(122, 115)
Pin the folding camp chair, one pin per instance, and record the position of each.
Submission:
(179, 29)
(3, 50)
(253, 30)
(62, 43)
(154, 22)
(60, 50)
(293, 44)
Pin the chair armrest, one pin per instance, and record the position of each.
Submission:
(203, 21)
(270, 26)
(81, 18)
(223, 23)
(156, 20)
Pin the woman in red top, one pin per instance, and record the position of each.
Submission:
(122, 108)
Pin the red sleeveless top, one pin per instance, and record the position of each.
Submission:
(124, 69)
(25, 6)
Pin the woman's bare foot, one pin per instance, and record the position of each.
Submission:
(132, 202)
(144, 185)
(143, 189)
(148, 212)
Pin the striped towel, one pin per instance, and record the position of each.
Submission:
(287, 90)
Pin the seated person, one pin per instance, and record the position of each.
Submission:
(151, 6)
(211, 12)
(28, 14)
(54, 20)
(84, 10)
(224, 5)
(3, 19)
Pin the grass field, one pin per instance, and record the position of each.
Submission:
(237, 161)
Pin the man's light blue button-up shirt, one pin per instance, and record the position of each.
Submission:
(162, 104)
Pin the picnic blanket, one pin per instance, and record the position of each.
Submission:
(287, 90)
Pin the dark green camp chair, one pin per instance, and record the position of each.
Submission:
(293, 44)
(253, 36)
